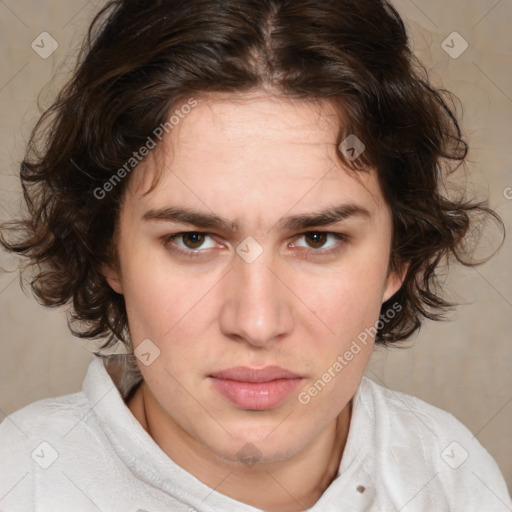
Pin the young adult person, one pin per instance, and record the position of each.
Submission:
(247, 195)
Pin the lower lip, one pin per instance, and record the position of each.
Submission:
(255, 396)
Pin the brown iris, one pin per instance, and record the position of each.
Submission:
(318, 239)
(196, 239)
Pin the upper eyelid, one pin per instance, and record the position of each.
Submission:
(302, 233)
(305, 232)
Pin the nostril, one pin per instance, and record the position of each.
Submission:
(360, 488)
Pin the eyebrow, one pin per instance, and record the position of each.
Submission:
(183, 215)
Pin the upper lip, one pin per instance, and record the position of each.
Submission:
(247, 374)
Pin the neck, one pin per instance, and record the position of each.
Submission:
(290, 485)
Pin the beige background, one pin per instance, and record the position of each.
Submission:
(462, 366)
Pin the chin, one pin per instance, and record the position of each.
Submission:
(248, 446)
(248, 454)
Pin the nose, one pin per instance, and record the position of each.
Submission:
(257, 303)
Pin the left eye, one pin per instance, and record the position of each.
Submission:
(317, 239)
(192, 242)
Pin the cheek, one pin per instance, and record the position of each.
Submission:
(350, 307)
(154, 300)
(348, 300)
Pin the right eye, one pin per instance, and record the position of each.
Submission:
(191, 241)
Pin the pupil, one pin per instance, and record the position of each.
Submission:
(195, 238)
(318, 238)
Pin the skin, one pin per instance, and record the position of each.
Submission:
(253, 159)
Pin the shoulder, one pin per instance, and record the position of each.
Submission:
(31, 440)
(42, 424)
(48, 415)
(419, 444)
(409, 412)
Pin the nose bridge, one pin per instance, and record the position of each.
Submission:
(256, 307)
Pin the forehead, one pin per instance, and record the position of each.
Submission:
(252, 147)
(258, 117)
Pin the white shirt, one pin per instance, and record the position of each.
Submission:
(87, 452)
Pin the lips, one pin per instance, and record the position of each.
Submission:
(245, 374)
(255, 389)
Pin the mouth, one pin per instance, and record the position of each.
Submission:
(255, 389)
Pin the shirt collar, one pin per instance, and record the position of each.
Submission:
(140, 453)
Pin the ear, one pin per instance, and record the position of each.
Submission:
(113, 278)
(394, 280)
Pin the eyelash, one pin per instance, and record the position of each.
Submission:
(313, 252)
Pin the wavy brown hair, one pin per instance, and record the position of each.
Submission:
(142, 57)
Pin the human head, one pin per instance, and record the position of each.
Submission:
(142, 59)
(251, 289)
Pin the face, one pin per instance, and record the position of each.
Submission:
(247, 315)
